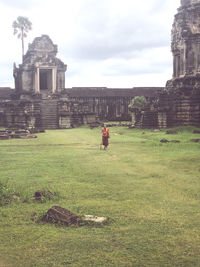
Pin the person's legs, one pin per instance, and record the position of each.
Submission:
(105, 143)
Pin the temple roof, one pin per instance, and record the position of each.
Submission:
(42, 44)
(42, 51)
(87, 92)
(188, 2)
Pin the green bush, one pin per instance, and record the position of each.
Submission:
(138, 102)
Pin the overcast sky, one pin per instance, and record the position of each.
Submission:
(111, 43)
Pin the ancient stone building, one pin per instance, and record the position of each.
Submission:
(40, 99)
(41, 72)
(179, 103)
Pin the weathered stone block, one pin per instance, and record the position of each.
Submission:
(61, 215)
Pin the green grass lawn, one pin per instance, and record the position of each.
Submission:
(149, 191)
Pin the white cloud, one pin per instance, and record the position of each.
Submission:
(111, 43)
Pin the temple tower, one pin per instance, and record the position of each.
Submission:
(40, 100)
(41, 72)
(186, 39)
(179, 103)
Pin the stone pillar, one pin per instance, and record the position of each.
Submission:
(54, 74)
(37, 80)
(133, 118)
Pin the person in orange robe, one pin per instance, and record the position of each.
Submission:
(105, 136)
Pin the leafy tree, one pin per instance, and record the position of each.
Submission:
(138, 102)
(21, 27)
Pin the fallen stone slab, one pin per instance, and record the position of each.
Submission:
(23, 136)
(21, 131)
(195, 140)
(15, 135)
(95, 219)
(9, 131)
(164, 140)
(61, 215)
(28, 136)
(196, 131)
(156, 130)
(4, 136)
(171, 132)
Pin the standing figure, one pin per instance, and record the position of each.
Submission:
(105, 136)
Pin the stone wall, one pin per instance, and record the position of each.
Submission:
(71, 108)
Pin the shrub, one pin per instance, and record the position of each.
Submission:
(138, 102)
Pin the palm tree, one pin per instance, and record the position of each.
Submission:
(21, 27)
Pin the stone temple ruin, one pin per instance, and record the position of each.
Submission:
(40, 99)
(179, 102)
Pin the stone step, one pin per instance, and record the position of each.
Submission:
(49, 112)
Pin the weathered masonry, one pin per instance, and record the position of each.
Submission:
(179, 103)
(40, 98)
(40, 72)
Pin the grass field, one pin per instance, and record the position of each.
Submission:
(149, 191)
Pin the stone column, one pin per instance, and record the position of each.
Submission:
(37, 80)
(133, 118)
(54, 74)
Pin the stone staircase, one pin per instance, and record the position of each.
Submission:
(150, 119)
(49, 112)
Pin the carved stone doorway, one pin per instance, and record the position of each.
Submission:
(46, 80)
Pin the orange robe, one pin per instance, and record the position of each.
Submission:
(105, 136)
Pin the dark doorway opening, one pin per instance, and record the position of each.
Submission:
(45, 79)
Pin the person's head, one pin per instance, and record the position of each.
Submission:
(104, 125)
